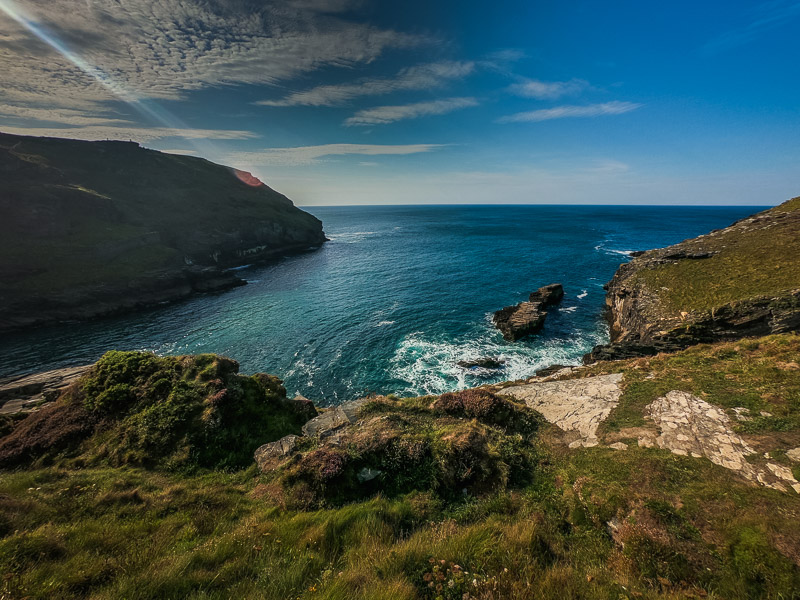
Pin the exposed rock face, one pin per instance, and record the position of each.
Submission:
(93, 228)
(574, 405)
(736, 282)
(334, 418)
(523, 319)
(28, 393)
(486, 362)
(270, 455)
(548, 295)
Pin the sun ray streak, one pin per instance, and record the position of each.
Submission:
(143, 106)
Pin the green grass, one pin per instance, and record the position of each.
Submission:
(764, 262)
(689, 531)
(758, 374)
(590, 523)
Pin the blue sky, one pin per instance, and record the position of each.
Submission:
(355, 102)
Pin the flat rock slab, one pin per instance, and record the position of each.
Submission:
(26, 393)
(690, 426)
(334, 418)
(578, 405)
(269, 455)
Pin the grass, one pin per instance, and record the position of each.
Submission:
(747, 264)
(136, 534)
(760, 374)
(588, 523)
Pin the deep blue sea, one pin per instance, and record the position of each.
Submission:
(397, 297)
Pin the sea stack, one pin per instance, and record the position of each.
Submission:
(523, 319)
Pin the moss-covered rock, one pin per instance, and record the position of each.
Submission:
(139, 408)
(470, 442)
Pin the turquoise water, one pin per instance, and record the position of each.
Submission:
(396, 299)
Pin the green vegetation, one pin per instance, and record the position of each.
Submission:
(78, 216)
(174, 412)
(761, 258)
(464, 443)
(558, 523)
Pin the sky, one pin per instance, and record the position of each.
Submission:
(337, 102)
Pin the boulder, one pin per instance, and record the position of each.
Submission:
(516, 322)
(304, 407)
(269, 455)
(485, 362)
(332, 419)
(548, 295)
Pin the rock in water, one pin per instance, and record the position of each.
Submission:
(516, 322)
(548, 295)
(485, 362)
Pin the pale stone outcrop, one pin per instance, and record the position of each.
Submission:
(334, 418)
(578, 405)
(28, 393)
(690, 426)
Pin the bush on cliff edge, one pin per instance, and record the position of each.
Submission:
(142, 409)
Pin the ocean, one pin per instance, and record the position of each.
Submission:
(396, 299)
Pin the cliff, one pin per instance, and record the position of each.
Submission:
(91, 228)
(736, 282)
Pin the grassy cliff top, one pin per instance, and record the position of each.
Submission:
(79, 213)
(757, 256)
(590, 523)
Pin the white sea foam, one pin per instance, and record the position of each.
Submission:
(583, 294)
(382, 323)
(568, 309)
(429, 364)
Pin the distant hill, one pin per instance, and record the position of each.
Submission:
(90, 228)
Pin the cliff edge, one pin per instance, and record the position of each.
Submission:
(91, 228)
(736, 282)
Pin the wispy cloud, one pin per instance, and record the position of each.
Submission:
(764, 17)
(167, 48)
(137, 134)
(381, 115)
(418, 77)
(62, 116)
(567, 111)
(549, 90)
(305, 155)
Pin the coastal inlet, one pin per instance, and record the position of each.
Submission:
(396, 299)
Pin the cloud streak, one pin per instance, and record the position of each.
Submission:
(549, 90)
(381, 115)
(568, 111)
(418, 77)
(137, 134)
(168, 48)
(305, 155)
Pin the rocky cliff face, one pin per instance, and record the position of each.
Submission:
(91, 228)
(736, 282)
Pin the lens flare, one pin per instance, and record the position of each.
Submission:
(247, 178)
(145, 107)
